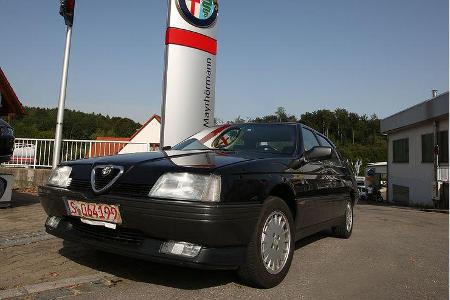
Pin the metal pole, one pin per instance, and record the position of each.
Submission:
(62, 100)
(435, 163)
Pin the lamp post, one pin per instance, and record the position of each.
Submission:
(67, 10)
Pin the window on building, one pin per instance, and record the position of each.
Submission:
(443, 146)
(400, 194)
(427, 148)
(401, 151)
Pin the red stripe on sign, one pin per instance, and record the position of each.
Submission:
(213, 133)
(191, 39)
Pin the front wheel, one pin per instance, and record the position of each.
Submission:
(379, 198)
(270, 251)
(345, 229)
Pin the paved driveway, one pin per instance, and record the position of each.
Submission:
(394, 253)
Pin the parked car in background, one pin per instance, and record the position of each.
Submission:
(373, 185)
(6, 141)
(362, 189)
(230, 197)
(23, 154)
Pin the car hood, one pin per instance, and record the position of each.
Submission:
(188, 159)
(142, 170)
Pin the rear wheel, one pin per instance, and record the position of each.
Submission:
(270, 252)
(345, 229)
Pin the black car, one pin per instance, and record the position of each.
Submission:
(6, 141)
(230, 197)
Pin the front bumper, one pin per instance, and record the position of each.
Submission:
(223, 230)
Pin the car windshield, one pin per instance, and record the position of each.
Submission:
(270, 138)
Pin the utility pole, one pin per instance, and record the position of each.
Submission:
(436, 150)
(67, 10)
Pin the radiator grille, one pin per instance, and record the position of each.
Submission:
(101, 180)
(120, 235)
(122, 189)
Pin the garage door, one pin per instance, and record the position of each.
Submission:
(401, 194)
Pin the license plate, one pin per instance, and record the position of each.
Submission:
(95, 211)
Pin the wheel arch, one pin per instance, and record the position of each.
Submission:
(286, 193)
(353, 199)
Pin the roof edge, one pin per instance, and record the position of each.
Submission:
(155, 116)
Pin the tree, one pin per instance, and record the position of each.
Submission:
(41, 122)
(281, 114)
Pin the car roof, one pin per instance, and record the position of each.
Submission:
(264, 123)
(284, 123)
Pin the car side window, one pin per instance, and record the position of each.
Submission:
(324, 142)
(334, 158)
(309, 139)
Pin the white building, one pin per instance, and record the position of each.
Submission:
(418, 153)
(148, 134)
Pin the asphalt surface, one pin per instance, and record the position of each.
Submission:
(394, 253)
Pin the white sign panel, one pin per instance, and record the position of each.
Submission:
(435, 191)
(190, 75)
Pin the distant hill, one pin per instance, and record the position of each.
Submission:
(41, 123)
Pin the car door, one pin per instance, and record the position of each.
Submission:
(307, 184)
(337, 190)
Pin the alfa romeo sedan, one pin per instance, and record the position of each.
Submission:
(230, 197)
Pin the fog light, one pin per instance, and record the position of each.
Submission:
(53, 222)
(180, 249)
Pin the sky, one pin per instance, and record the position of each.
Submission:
(378, 56)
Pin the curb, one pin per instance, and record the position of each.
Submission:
(24, 240)
(53, 285)
(441, 211)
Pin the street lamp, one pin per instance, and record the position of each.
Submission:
(67, 10)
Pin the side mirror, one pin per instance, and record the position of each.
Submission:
(318, 153)
(165, 148)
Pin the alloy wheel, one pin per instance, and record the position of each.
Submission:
(275, 242)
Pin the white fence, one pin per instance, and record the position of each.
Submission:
(39, 152)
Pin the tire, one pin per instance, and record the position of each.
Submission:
(255, 272)
(344, 230)
(379, 198)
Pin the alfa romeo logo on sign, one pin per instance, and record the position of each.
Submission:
(200, 13)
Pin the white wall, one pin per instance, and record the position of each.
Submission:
(416, 175)
(149, 134)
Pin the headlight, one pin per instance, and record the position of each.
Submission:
(60, 177)
(186, 186)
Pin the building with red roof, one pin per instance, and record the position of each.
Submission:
(10, 105)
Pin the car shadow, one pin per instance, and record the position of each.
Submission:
(313, 238)
(374, 203)
(154, 273)
(19, 199)
(144, 271)
(387, 204)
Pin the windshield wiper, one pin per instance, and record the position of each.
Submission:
(224, 150)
